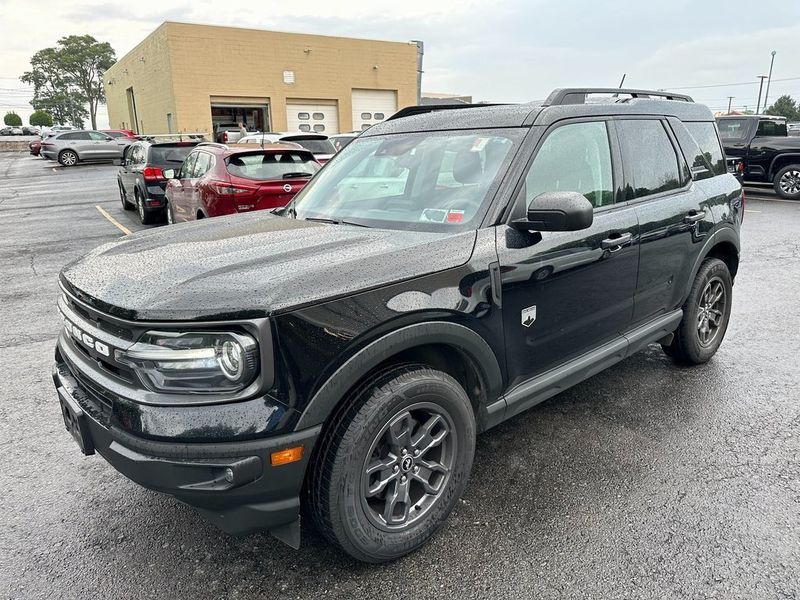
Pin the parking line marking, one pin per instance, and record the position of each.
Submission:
(112, 220)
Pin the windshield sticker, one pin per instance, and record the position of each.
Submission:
(433, 215)
(455, 216)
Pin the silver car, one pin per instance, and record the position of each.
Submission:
(71, 147)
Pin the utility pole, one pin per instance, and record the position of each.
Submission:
(730, 99)
(769, 79)
(760, 87)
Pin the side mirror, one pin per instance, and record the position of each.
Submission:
(169, 173)
(558, 211)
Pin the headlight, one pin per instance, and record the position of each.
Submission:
(193, 361)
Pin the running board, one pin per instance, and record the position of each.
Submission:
(558, 379)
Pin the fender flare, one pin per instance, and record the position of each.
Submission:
(773, 171)
(330, 393)
(725, 234)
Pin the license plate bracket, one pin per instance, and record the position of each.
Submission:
(76, 422)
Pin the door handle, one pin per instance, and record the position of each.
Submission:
(616, 241)
(694, 216)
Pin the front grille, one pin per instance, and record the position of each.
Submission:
(100, 320)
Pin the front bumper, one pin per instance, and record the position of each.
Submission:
(232, 484)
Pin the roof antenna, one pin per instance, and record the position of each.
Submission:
(621, 81)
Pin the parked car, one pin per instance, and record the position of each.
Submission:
(141, 178)
(340, 140)
(5, 130)
(217, 179)
(72, 147)
(317, 143)
(344, 353)
(30, 130)
(35, 147)
(17, 131)
(260, 138)
(768, 154)
(121, 133)
(793, 129)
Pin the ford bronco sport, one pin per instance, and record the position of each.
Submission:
(448, 269)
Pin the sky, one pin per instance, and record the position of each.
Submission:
(503, 51)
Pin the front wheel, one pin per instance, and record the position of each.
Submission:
(705, 315)
(787, 182)
(68, 158)
(394, 463)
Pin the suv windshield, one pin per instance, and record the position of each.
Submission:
(435, 181)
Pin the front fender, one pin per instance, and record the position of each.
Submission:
(357, 366)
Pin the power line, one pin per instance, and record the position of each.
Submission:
(701, 87)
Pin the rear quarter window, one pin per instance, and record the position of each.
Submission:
(168, 155)
(703, 150)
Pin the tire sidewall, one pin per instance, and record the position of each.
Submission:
(366, 541)
(777, 183)
(65, 152)
(695, 351)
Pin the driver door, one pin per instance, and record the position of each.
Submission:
(564, 293)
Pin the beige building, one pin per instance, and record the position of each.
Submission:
(189, 78)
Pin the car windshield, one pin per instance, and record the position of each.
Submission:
(272, 165)
(432, 181)
(315, 146)
(732, 129)
(169, 155)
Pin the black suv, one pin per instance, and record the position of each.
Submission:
(448, 269)
(141, 180)
(767, 152)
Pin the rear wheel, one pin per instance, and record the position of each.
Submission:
(394, 463)
(146, 215)
(787, 182)
(170, 214)
(705, 315)
(68, 158)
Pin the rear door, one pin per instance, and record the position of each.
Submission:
(176, 190)
(128, 170)
(673, 213)
(82, 143)
(104, 145)
(564, 293)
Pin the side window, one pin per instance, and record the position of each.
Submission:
(188, 166)
(98, 137)
(573, 158)
(708, 146)
(202, 165)
(649, 157)
(767, 128)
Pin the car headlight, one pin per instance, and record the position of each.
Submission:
(193, 361)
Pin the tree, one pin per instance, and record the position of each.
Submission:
(67, 79)
(784, 107)
(12, 119)
(41, 118)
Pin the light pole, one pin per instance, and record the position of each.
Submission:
(769, 79)
(760, 87)
(730, 99)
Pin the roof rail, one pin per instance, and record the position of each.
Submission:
(215, 144)
(421, 109)
(578, 95)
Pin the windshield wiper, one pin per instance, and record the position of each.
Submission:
(294, 174)
(334, 221)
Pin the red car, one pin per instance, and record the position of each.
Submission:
(35, 147)
(216, 180)
(120, 133)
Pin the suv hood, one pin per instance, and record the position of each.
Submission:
(252, 265)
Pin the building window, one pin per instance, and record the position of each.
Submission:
(364, 126)
(304, 127)
(366, 116)
(379, 116)
(303, 116)
(318, 116)
(319, 127)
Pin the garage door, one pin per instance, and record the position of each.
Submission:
(315, 118)
(372, 106)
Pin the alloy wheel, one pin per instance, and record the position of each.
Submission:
(69, 158)
(408, 466)
(140, 207)
(790, 182)
(170, 216)
(711, 309)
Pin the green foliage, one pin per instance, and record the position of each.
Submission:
(67, 79)
(41, 118)
(12, 119)
(785, 107)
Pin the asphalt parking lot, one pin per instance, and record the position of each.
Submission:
(646, 481)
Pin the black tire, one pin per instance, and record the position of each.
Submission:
(392, 405)
(146, 216)
(705, 317)
(787, 182)
(68, 158)
(170, 214)
(123, 197)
